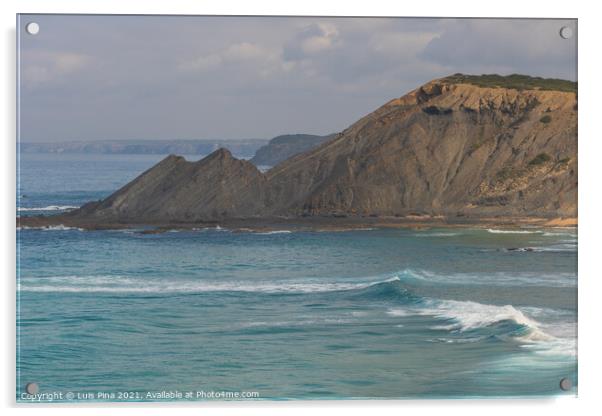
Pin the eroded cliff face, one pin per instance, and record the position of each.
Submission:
(451, 149)
(443, 149)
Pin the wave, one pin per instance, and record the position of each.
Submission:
(59, 227)
(343, 230)
(557, 248)
(543, 331)
(439, 234)
(560, 234)
(48, 208)
(469, 315)
(539, 330)
(245, 230)
(506, 323)
(428, 277)
(400, 312)
(392, 286)
(124, 284)
(497, 231)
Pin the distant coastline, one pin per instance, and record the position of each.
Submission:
(246, 147)
(261, 152)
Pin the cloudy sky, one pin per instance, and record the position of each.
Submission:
(158, 77)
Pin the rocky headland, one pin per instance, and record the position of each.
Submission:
(457, 150)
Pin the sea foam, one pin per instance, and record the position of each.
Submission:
(59, 227)
(48, 208)
(496, 231)
(464, 316)
(124, 284)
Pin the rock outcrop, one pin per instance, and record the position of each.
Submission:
(176, 190)
(448, 148)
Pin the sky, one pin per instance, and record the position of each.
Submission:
(207, 77)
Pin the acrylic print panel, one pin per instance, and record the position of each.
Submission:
(259, 208)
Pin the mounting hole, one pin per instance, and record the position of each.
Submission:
(32, 28)
(566, 32)
(32, 388)
(565, 384)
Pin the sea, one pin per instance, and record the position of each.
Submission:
(220, 314)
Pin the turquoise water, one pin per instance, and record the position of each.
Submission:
(307, 315)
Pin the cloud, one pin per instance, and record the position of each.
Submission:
(42, 67)
(362, 55)
(98, 77)
(531, 46)
(311, 40)
(235, 53)
(254, 58)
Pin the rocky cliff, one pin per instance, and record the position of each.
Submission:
(452, 147)
(283, 147)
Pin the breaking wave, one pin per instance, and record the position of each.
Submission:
(505, 323)
(497, 231)
(124, 284)
(48, 208)
(59, 227)
(388, 285)
(436, 234)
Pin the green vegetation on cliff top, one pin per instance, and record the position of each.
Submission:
(514, 81)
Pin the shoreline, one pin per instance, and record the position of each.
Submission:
(332, 224)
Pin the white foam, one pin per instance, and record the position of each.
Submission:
(554, 347)
(59, 227)
(556, 336)
(441, 234)
(275, 232)
(216, 228)
(497, 231)
(557, 248)
(400, 312)
(561, 234)
(471, 315)
(343, 230)
(121, 284)
(48, 208)
(85, 280)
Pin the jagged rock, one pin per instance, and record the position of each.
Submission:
(177, 190)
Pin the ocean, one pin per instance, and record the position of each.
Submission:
(213, 313)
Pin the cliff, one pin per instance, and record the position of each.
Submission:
(445, 148)
(452, 147)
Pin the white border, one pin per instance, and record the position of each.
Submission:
(590, 159)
